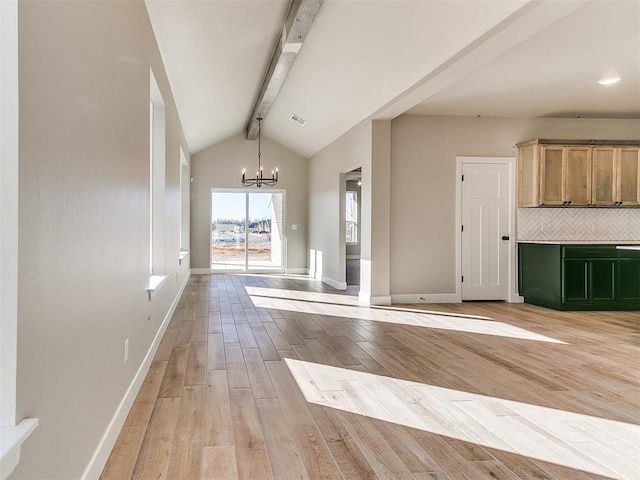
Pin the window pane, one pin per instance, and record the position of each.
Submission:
(351, 205)
(351, 216)
(352, 232)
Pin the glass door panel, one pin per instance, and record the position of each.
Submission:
(228, 232)
(265, 231)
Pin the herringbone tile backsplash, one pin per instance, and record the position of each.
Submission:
(579, 224)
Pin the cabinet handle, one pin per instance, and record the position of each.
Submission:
(505, 237)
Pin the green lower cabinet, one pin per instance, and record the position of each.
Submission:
(603, 280)
(579, 277)
(629, 280)
(575, 285)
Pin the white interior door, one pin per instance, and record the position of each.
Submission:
(485, 231)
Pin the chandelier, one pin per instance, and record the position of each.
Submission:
(259, 179)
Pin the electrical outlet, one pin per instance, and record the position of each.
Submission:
(126, 350)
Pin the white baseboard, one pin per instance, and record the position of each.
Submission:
(334, 283)
(425, 298)
(516, 299)
(367, 299)
(298, 271)
(200, 271)
(108, 440)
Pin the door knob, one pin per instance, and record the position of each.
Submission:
(505, 237)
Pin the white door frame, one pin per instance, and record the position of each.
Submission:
(512, 295)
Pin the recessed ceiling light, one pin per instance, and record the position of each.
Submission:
(609, 80)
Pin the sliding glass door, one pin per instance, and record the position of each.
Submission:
(247, 230)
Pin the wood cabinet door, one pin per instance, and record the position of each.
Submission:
(578, 176)
(603, 189)
(628, 176)
(528, 177)
(552, 175)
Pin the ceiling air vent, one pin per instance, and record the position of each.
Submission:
(299, 120)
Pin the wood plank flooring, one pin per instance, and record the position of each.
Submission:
(268, 377)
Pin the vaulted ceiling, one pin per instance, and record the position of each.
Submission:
(382, 58)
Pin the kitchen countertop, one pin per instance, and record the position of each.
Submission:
(578, 242)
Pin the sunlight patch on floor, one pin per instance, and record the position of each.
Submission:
(592, 444)
(302, 295)
(429, 320)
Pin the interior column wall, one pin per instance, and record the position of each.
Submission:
(326, 185)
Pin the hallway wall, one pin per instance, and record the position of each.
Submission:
(84, 222)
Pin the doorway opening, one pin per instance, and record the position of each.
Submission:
(247, 230)
(353, 180)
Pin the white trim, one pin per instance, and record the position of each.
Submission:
(512, 295)
(366, 299)
(108, 440)
(200, 271)
(11, 440)
(182, 255)
(155, 282)
(8, 209)
(297, 271)
(334, 283)
(425, 298)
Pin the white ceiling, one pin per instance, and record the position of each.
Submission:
(384, 57)
(555, 72)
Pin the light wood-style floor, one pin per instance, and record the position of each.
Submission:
(263, 377)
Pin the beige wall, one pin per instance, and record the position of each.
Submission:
(423, 166)
(326, 192)
(84, 222)
(220, 166)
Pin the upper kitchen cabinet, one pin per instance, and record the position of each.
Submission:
(565, 175)
(578, 176)
(616, 176)
(553, 172)
(578, 173)
(528, 175)
(628, 176)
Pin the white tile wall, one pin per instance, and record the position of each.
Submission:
(579, 224)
